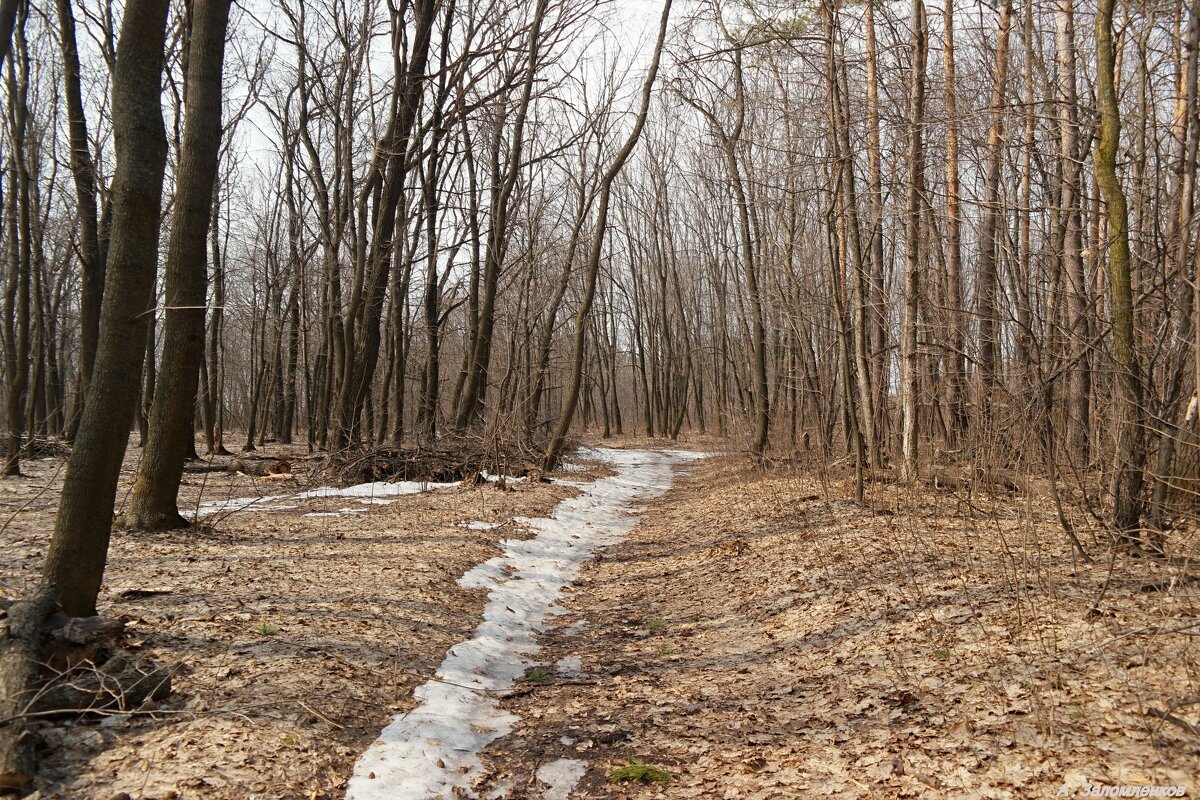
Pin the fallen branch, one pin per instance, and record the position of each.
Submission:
(1167, 716)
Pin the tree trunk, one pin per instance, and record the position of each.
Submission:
(78, 550)
(989, 335)
(1128, 416)
(1079, 380)
(16, 310)
(474, 391)
(20, 671)
(571, 399)
(153, 503)
(909, 373)
(957, 362)
(83, 170)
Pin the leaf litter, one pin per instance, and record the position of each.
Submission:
(758, 636)
(362, 608)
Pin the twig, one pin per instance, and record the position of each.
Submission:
(316, 713)
(531, 685)
(28, 502)
(1167, 716)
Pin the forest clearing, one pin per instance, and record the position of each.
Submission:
(616, 398)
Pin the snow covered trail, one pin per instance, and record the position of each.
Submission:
(431, 750)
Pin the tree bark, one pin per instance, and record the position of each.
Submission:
(1129, 416)
(957, 362)
(83, 170)
(909, 373)
(989, 335)
(1079, 379)
(152, 506)
(78, 550)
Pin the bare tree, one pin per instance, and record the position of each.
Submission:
(909, 378)
(171, 438)
(571, 400)
(1129, 454)
(78, 550)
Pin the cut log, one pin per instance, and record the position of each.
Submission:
(77, 640)
(201, 469)
(997, 479)
(258, 467)
(948, 478)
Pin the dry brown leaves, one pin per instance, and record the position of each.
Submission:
(297, 637)
(761, 637)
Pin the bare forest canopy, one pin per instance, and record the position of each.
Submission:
(911, 237)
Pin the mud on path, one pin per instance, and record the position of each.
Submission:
(758, 636)
(296, 636)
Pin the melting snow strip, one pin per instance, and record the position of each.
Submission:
(434, 749)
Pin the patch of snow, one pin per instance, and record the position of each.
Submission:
(376, 493)
(493, 477)
(502, 790)
(569, 666)
(235, 504)
(565, 482)
(433, 749)
(341, 512)
(376, 489)
(480, 526)
(560, 777)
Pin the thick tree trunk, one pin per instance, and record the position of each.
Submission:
(79, 548)
(20, 659)
(172, 435)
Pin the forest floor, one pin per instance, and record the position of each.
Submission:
(759, 635)
(298, 627)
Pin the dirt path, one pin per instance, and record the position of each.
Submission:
(432, 750)
(758, 640)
